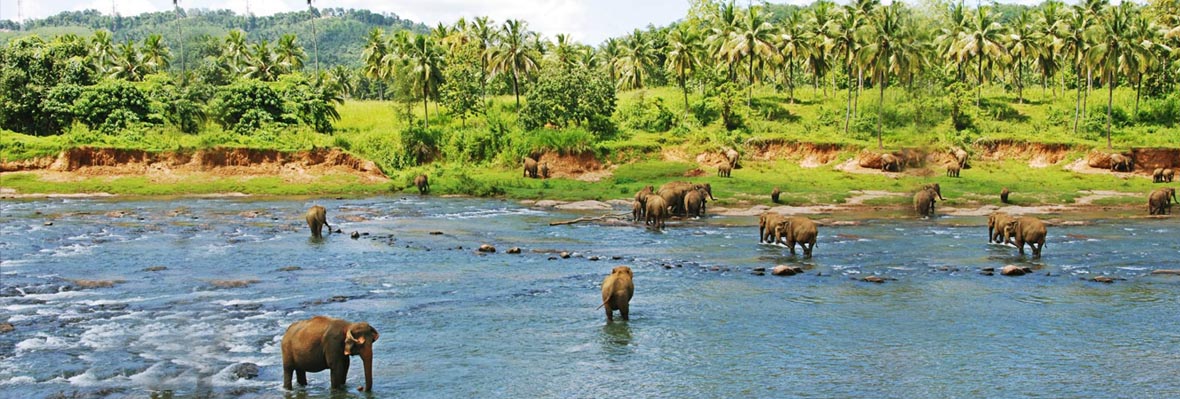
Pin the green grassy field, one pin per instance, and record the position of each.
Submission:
(372, 130)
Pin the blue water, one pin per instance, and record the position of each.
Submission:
(455, 323)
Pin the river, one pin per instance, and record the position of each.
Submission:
(455, 323)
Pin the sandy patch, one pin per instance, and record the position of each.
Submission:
(853, 166)
(1092, 196)
(585, 206)
(1081, 165)
(859, 197)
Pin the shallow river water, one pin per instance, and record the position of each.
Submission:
(456, 324)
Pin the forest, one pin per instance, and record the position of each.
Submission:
(482, 91)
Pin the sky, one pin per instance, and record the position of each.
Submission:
(587, 21)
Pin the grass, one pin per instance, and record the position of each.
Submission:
(372, 130)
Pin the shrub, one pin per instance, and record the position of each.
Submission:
(111, 106)
(246, 106)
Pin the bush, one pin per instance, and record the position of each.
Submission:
(112, 106)
(1164, 111)
(419, 145)
(246, 106)
(647, 115)
(575, 97)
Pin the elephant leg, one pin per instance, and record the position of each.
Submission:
(623, 311)
(609, 314)
(287, 371)
(807, 250)
(339, 376)
(792, 245)
(1020, 245)
(301, 377)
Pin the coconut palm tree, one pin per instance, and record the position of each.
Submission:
(128, 63)
(290, 54)
(637, 57)
(1115, 52)
(234, 52)
(263, 63)
(376, 48)
(425, 61)
(878, 55)
(1022, 45)
(793, 45)
(956, 22)
(1050, 45)
(724, 22)
(684, 46)
(1076, 44)
(983, 43)
(1145, 33)
(752, 41)
(610, 53)
(565, 52)
(513, 55)
(848, 27)
(820, 30)
(483, 33)
(315, 38)
(156, 55)
(102, 50)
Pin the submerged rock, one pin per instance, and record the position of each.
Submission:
(514, 250)
(1173, 272)
(86, 284)
(244, 371)
(355, 235)
(565, 255)
(288, 269)
(486, 248)
(784, 270)
(1013, 270)
(232, 283)
(155, 269)
(6, 327)
(1103, 279)
(875, 279)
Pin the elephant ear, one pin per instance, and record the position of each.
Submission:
(349, 338)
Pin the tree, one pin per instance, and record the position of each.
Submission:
(156, 55)
(683, 49)
(129, 63)
(819, 27)
(372, 59)
(637, 57)
(576, 97)
(1022, 45)
(754, 40)
(1115, 52)
(879, 55)
(483, 33)
(793, 44)
(462, 87)
(289, 53)
(1077, 44)
(425, 61)
(234, 52)
(263, 63)
(513, 55)
(983, 42)
(847, 43)
(102, 51)
(1049, 45)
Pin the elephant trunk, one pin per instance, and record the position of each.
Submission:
(367, 359)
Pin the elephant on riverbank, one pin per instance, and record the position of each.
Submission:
(545, 170)
(673, 194)
(1026, 230)
(1121, 163)
(797, 229)
(530, 168)
(423, 184)
(1159, 202)
(317, 218)
(1169, 174)
(953, 170)
(1004, 195)
(960, 157)
(324, 343)
(732, 156)
(656, 211)
(694, 203)
(766, 225)
(1157, 176)
(724, 170)
(774, 194)
(924, 199)
(617, 290)
(995, 226)
(890, 163)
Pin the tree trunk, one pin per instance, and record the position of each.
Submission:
(425, 110)
(880, 111)
(750, 93)
(979, 90)
(1138, 89)
(684, 88)
(848, 111)
(1109, 103)
(1077, 111)
(1086, 94)
(791, 82)
(516, 89)
(859, 86)
(1019, 84)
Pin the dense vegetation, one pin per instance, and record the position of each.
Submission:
(479, 91)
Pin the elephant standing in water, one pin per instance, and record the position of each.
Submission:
(673, 194)
(694, 203)
(617, 289)
(656, 211)
(1026, 230)
(1160, 201)
(423, 184)
(639, 208)
(766, 225)
(317, 218)
(797, 229)
(995, 226)
(324, 343)
(924, 199)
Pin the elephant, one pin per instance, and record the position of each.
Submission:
(953, 170)
(636, 211)
(774, 195)
(766, 225)
(694, 203)
(910, 158)
(732, 156)
(545, 170)
(995, 226)
(423, 184)
(641, 201)
(617, 289)
(673, 194)
(317, 218)
(1026, 230)
(890, 163)
(1169, 174)
(960, 157)
(1157, 176)
(324, 343)
(1120, 162)
(1004, 195)
(924, 200)
(724, 170)
(530, 167)
(797, 229)
(656, 211)
(1160, 201)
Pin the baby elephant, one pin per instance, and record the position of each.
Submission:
(953, 170)
(617, 289)
(423, 184)
(324, 343)
(317, 218)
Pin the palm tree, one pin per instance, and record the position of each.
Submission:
(290, 54)
(315, 38)
(847, 42)
(376, 48)
(102, 50)
(819, 28)
(1144, 32)
(156, 55)
(263, 63)
(793, 45)
(565, 52)
(1115, 52)
(234, 52)
(752, 41)
(955, 25)
(611, 51)
(425, 62)
(129, 63)
(725, 20)
(683, 48)
(483, 33)
(983, 43)
(1022, 45)
(513, 55)
(1077, 44)
(1049, 48)
(878, 55)
(637, 57)
(180, 38)
(342, 76)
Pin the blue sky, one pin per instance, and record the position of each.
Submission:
(588, 21)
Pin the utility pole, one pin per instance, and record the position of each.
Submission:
(20, 15)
